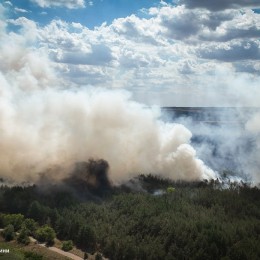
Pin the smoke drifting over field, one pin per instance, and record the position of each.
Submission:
(226, 139)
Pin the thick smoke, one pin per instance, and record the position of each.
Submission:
(46, 129)
(49, 128)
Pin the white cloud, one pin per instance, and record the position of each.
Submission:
(156, 58)
(175, 23)
(27, 27)
(71, 4)
(98, 55)
(136, 29)
(231, 51)
(158, 55)
(20, 10)
(8, 3)
(243, 25)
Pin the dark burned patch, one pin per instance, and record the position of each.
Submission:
(90, 178)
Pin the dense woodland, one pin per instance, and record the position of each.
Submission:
(158, 219)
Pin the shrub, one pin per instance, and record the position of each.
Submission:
(45, 234)
(15, 220)
(8, 233)
(30, 225)
(32, 256)
(98, 256)
(67, 245)
(23, 237)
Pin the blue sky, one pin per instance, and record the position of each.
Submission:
(93, 14)
(186, 53)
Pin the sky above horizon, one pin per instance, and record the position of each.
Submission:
(168, 53)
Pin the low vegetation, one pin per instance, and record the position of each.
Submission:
(45, 234)
(67, 245)
(17, 251)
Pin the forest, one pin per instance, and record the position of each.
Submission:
(148, 218)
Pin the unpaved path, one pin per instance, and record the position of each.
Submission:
(70, 255)
(61, 252)
(33, 240)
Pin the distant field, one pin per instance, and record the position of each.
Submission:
(15, 253)
(211, 115)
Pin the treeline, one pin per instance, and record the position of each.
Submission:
(192, 221)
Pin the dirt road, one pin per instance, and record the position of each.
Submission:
(61, 252)
(67, 254)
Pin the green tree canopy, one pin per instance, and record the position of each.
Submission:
(13, 219)
(45, 234)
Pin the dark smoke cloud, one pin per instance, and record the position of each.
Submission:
(91, 176)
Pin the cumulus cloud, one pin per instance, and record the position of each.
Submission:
(231, 51)
(98, 55)
(220, 26)
(184, 54)
(243, 24)
(177, 22)
(137, 29)
(220, 4)
(71, 4)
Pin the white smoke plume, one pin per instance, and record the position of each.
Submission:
(50, 128)
(44, 127)
(253, 126)
(227, 139)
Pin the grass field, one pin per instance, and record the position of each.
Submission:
(16, 251)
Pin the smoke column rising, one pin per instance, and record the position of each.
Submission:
(44, 127)
(48, 128)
